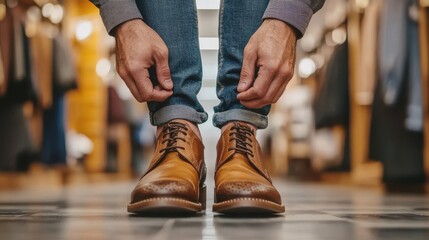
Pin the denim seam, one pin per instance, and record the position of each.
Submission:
(221, 118)
(220, 65)
(188, 113)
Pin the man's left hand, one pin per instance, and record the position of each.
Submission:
(270, 53)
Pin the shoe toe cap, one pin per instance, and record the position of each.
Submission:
(233, 190)
(164, 189)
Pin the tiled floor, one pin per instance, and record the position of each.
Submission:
(313, 212)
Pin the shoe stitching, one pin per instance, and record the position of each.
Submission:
(164, 198)
(247, 199)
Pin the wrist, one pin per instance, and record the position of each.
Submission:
(125, 26)
(286, 27)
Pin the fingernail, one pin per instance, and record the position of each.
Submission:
(241, 86)
(169, 82)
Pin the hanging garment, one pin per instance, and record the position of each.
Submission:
(19, 47)
(391, 141)
(365, 85)
(54, 143)
(400, 150)
(392, 48)
(41, 47)
(115, 109)
(331, 105)
(64, 70)
(15, 136)
(6, 46)
(54, 150)
(2, 76)
(24, 88)
(414, 117)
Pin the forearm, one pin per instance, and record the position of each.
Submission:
(115, 12)
(296, 13)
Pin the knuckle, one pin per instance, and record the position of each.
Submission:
(286, 72)
(132, 67)
(161, 53)
(258, 92)
(266, 100)
(148, 97)
(248, 49)
(245, 73)
(140, 99)
(272, 66)
(245, 104)
(255, 106)
(164, 71)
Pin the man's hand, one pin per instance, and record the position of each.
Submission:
(138, 47)
(270, 51)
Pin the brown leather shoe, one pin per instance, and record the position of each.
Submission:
(242, 183)
(174, 181)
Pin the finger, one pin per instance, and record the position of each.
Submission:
(247, 75)
(163, 70)
(159, 94)
(146, 89)
(260, 86)
(285, 74)
(280, 93)
(275, 87)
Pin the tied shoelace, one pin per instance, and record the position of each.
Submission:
(171, 135)
(240, 134)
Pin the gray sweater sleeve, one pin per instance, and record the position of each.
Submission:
(115, 12)
(297, 13)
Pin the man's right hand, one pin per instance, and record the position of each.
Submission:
(139, 47)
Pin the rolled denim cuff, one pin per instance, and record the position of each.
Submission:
(258, 120)
(115, 12)
(168, 113)
(295, 13)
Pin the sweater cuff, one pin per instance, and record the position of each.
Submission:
(115, 12)
(292, 12)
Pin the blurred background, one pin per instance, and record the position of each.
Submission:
(356, 111)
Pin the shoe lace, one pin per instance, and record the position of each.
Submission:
(171, 135)
(240, 134)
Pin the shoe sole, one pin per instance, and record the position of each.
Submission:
(248, 206)
(168, 205)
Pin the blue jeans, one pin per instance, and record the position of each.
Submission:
(177, 24)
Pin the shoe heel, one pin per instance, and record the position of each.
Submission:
(203, 196)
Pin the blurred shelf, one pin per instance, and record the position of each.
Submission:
(209, 43)
(207, 94)
(208, 4)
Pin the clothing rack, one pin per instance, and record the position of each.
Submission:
(363, 170)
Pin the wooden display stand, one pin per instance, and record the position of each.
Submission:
(363, 170)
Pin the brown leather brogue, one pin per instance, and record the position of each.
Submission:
(174, 181)
(242, 184)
